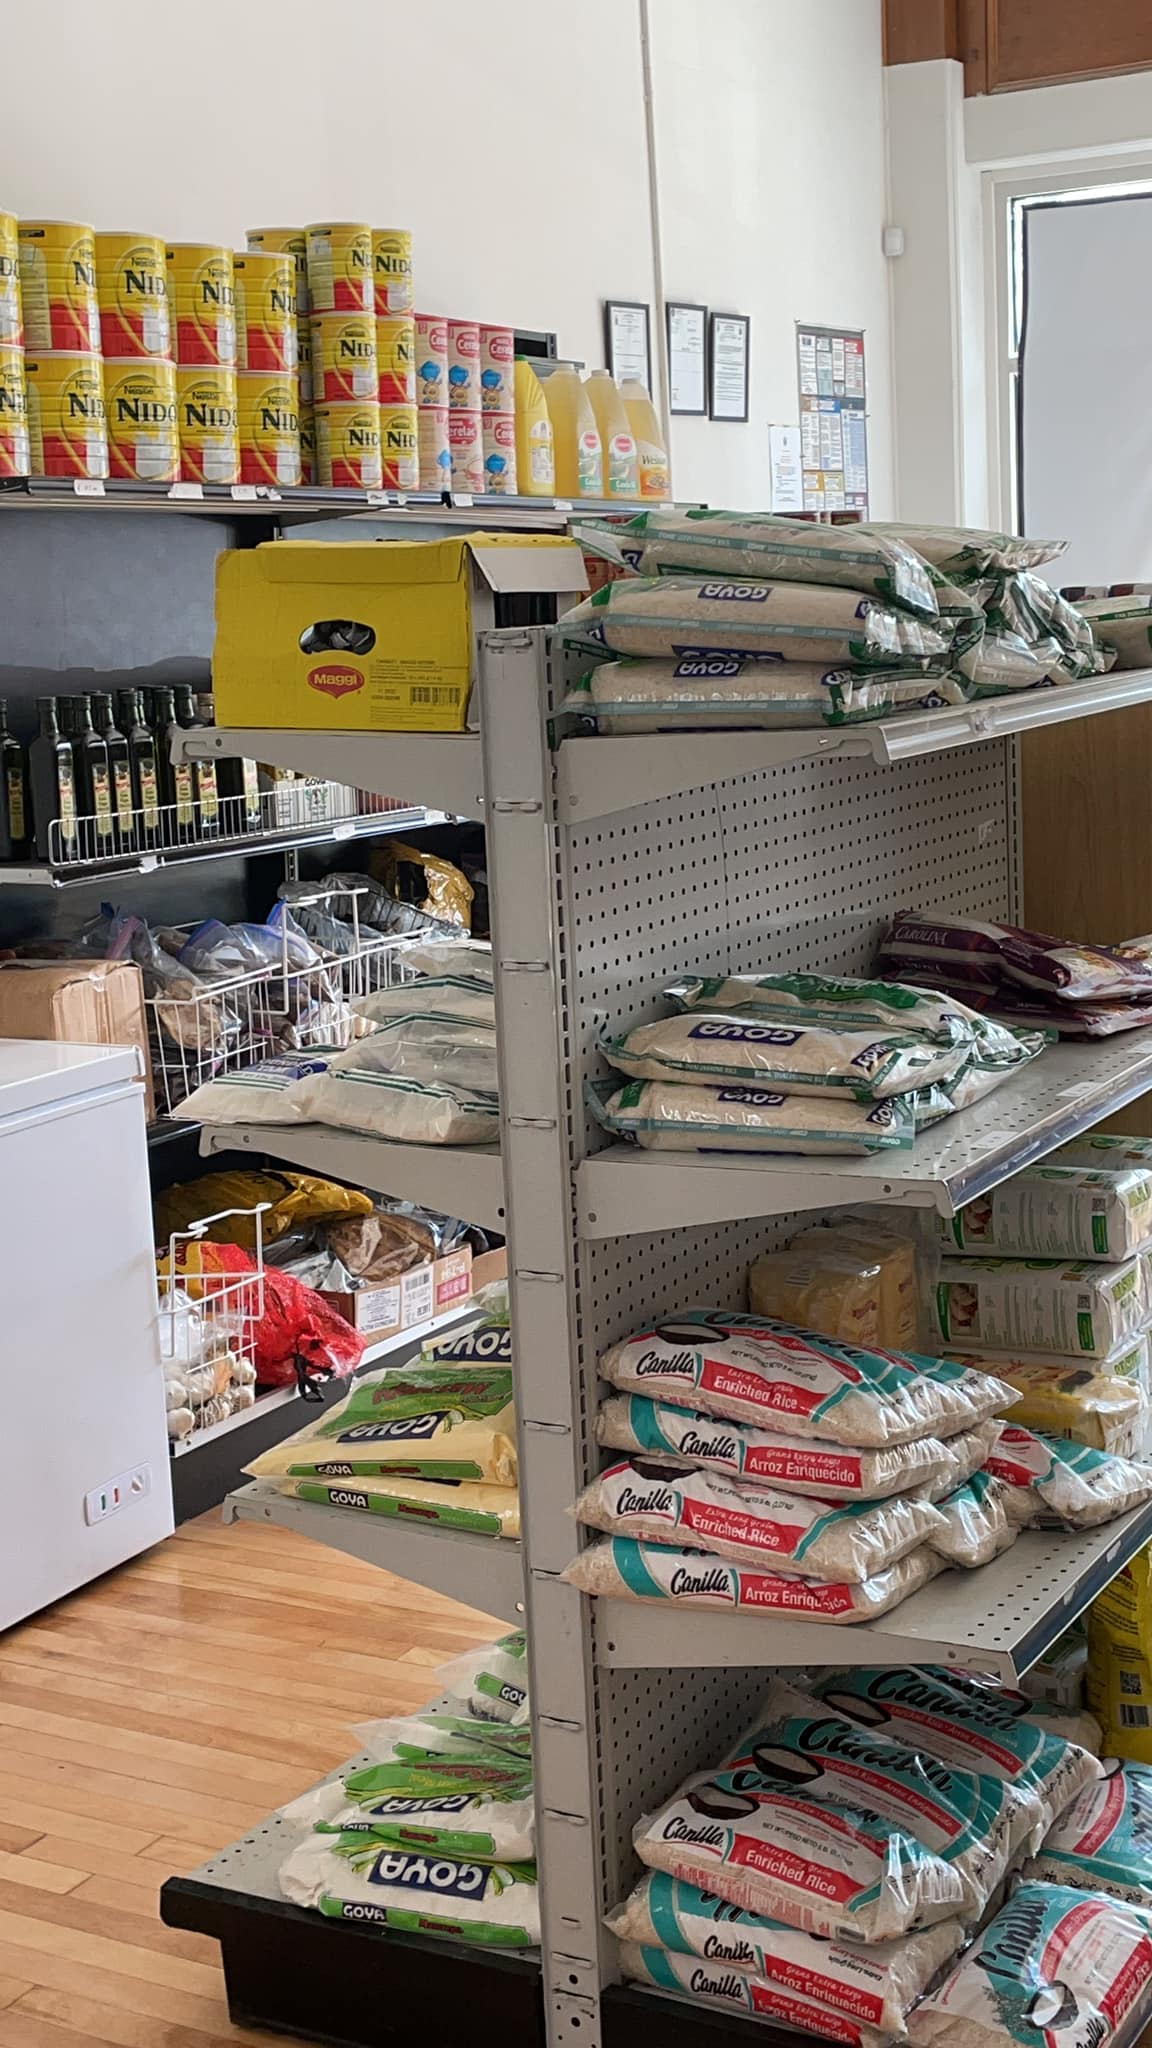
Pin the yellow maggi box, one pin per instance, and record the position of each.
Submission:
(372, 636)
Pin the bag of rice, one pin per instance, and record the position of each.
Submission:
(708, 691)
(925, 1712)
(416, 1422)
(1072, 1724)
(800, 1059)
(877, 1985)
(1057, 1212)
(833, 1002)
(433, 1732)
(484, 1344)
(462, 955)
(361, 1098)
(1088, 1404)
(352, 1877)
(1103, 1843)
(479, 1509)
(620, 1568)
(465, 997)
(976, 1525)
(1061, 1485)
(434, 1051)
(760, 1371)
(492, 1682)
(1022, 604)
(761, 544)
(260, 1094)
(690, 1441)
(967, 1451)
(983, 1071)
(1073, 1308)
(1053, 1967)
(685, 1116)
(787, 1533)
(715, 1984)
(1056, 967)
(1122, 624)
(965, 550)
(674, 616)
(475, 1807)
(895, 1254)
(1106, 1149)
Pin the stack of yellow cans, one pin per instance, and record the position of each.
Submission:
(266, 342)
(202, 292)
(263, 416)
(15, 459)
(64, 378)
(139, 371)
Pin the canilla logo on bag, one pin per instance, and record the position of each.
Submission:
(736, 593)
(713, 1585)
(332, 681)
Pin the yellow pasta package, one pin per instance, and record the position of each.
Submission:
(1081, 1402)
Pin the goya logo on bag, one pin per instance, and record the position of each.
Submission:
(753, 1098)
(491, 1347)
(736, 593)
(333, 681)
(411, 1429)
(711, 665)
(426, 1874)
(749, 1034)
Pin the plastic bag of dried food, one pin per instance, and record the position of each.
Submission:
(1056, 967)
(800, 1059)
(663, 616)
(1106, 1149)
(437, 1422)
(689, 1440)
(1075, 1309)
(1057, 1212)
(1103, 1842)
(470, 957)
(772, 1374)
(685, 1116)
(1123, 625)
(435, 885)
(1061, 1485)
(478, 1509)
(824, 1287)
(491, 1682)
(435, 1732)
(1052, 1967)
(621, 1568)
(705, 691)
(896, 1254)
(716, 1984)
(787, 1533)
(966, 550)
(1072, 1723)
(925, 1712)
(472, 1807)
(760, 544)
(467, 997)
(352, 1877)
(362, 1098)
(835, 1002)
(876, 1985)
(1089, 1404)
(434, 1050)
(260, 1094)
(1019, 602)
(976, 1523)
(967, 1451)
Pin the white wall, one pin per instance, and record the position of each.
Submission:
(511, 138)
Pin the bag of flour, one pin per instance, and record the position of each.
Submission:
(476, 1808)
(976, 1524)
(687, 1116)
(714, 1984)
(1061, 1485)
(1103, 1842)
(762, 1457)
(620, 1568)
(1053, 1967)
(876, 1985)
(1057, 1212)
(1075, 1309)
(663, 617)
(352, 1877)
(800, 1059)
(793, 550)
(759, 1371)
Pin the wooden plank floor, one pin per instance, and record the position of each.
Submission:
(147, 1722)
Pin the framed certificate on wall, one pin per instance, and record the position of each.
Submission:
(728, 366)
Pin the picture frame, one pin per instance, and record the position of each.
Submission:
(686, 326)
(628, 340)
(728, 360)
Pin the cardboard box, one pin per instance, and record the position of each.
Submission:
(369, 636)
(77, 1002)
(417, 1296)
(489, 1266)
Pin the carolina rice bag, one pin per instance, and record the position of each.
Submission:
(964, 550)
(761, 544)
(491, 1682)
(683, 1116)
(408, 1112)
(801, 1059)
(926, 1712)
(1053, 1967)
(709, 691)
(1103, 1842)
(1062, 1485)
(451, 1504)
(473, 1807)
(875, 1985)
(836, 1002)
(1077, 1309)
(787, 1533)
(1056, 967)
(760, 1371)
(1090, 1404)
(662, 616)
(618, 1567)
(762, 1457)
(427, 1421)
(352, 1877)
(976, 1524)
(716, 1984)
(1057, 1212)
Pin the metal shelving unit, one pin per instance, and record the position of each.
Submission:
(447, 765)
(302, 505)
(458, 1180)
(78, 874)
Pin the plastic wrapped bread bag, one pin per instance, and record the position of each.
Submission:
(977, 1525)
(763, 1457)
(685, 1116)
(1061, 1485)
(491, 1682)
(474, 1807)
(354, 1878)
(1077, 1309)
(1056, 1212)
(712, 1047)
(1103, 1842)
(715, 1984)
(877, 1985)
(620, 1568)
(786, 1533)
(775, 1375)
(1054, 1969)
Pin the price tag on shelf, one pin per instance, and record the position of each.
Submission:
(245, 494)
(562, 504)
(376, 497)
(186, 491)
(344, 830)
(88, 487)
(463, 498)
(147, 863)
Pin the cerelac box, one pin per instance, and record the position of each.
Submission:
(370, 636)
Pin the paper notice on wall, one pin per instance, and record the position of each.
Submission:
(807, 346)
(785, 450)
(855, 434)
(810, 440)
(833, 419)
(831, 441)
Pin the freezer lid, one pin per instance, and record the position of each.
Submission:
(36, 1073)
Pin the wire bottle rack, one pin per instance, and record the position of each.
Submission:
(209, 1316)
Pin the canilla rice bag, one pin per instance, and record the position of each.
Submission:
(756, 1370)
(735, 1991)
(1052, 1970)
(660, 616)
(975, 1523)
(622, 1568)
(1103, 1842)
(874, 1985)
(1061, 1485)
(799, 1058)
(352, 1877)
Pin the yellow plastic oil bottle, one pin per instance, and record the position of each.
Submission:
(535, 451)
(619, 465)
(574, 433)
(652, 454)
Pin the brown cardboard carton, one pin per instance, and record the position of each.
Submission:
(76, 1002)
(415, 1297)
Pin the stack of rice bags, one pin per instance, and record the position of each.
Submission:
(1026, 978)
(744, 619)
(801, 1063)
(432, 1442)
(828, 1874)
(434, 1832)
(1045, 1282)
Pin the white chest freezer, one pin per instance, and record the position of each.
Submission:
(86, 1480)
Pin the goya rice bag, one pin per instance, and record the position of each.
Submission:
(425, 1421)
(801, 1059)
(762, 544)
(470, 1808)
(491, 1682)
(684, 1116)
(674, 616)
(353, 1878)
